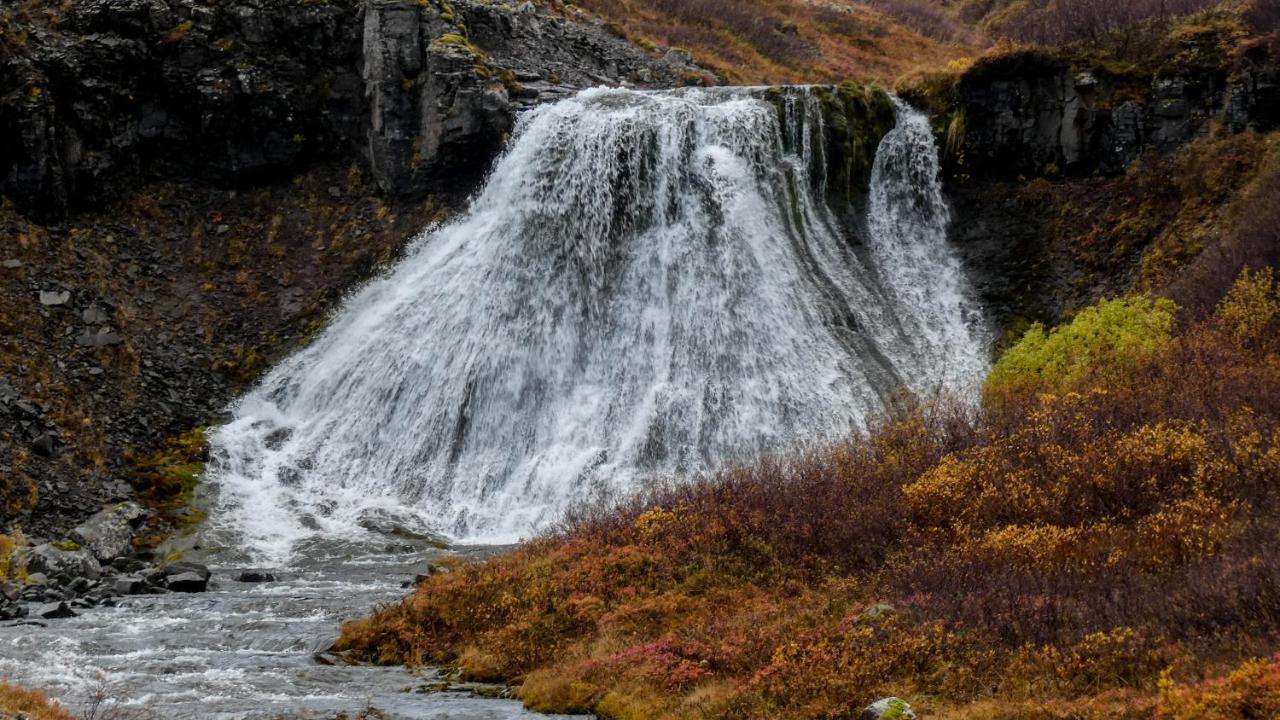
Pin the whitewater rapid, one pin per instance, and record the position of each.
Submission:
(649, 285)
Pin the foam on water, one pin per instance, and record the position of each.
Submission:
(650, 284)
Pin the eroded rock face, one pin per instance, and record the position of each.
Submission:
(433, 111)
(120, 87)
(248, 90)
(1033, 114)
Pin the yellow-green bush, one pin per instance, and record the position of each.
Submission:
(1107, 338)
(10, 568)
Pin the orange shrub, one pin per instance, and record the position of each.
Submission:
(30, 704)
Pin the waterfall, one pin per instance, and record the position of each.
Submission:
(650, 284)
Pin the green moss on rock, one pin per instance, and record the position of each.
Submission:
(856, 118)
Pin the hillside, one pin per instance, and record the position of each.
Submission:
(209, 210)
(779, 41)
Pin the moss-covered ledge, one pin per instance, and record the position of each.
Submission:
(855, 119)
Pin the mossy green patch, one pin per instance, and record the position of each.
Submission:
(856, 119)
(167, 478)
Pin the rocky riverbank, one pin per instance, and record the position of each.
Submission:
(94, 566)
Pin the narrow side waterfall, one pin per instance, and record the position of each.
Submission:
(650, 284)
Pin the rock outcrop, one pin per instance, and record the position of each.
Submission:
(1031, 113)
(244, 91)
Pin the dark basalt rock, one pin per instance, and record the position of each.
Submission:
(54, 610)
(245, 91)
(187, 582)
(1034, 113)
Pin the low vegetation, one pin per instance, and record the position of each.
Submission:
(775, 41)
(166, 480)
(1089, 543)
(10, 567)
(25, 704)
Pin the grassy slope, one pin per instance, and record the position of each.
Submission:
(783, 41)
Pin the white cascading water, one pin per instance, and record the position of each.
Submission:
(650, 284)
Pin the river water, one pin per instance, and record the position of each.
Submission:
(243, 650)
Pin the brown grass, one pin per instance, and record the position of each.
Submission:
(29, 704)
(778, 41)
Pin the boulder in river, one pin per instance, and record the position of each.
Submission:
(129, 585)
(255, 576)
(54, 610)
(178, 568)
(108, 533)
(187, 582)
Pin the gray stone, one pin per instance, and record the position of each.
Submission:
(877, 611)
(45, 444)
(49, 560)
(890, 708)
(678, 57)
(11, 264)
(54, 298)
(12, 611)
(108, 533)
(99, 339)
(187, 582)
(53, 610)
(129, 585)
(94, 315)
(183, 566)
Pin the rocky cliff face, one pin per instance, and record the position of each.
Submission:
(1035, 114)
(237, 92)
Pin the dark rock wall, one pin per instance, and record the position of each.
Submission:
(122, 87)
(1034, 114)
(252, 90)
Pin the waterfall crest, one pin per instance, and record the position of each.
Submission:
(650, 284)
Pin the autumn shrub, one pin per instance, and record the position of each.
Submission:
(1113, 337)
(10, 566)
(1250, 691)
(1264, 15)
(1060, 22)
(29, 704)
(1093, 542)
(927, 18)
